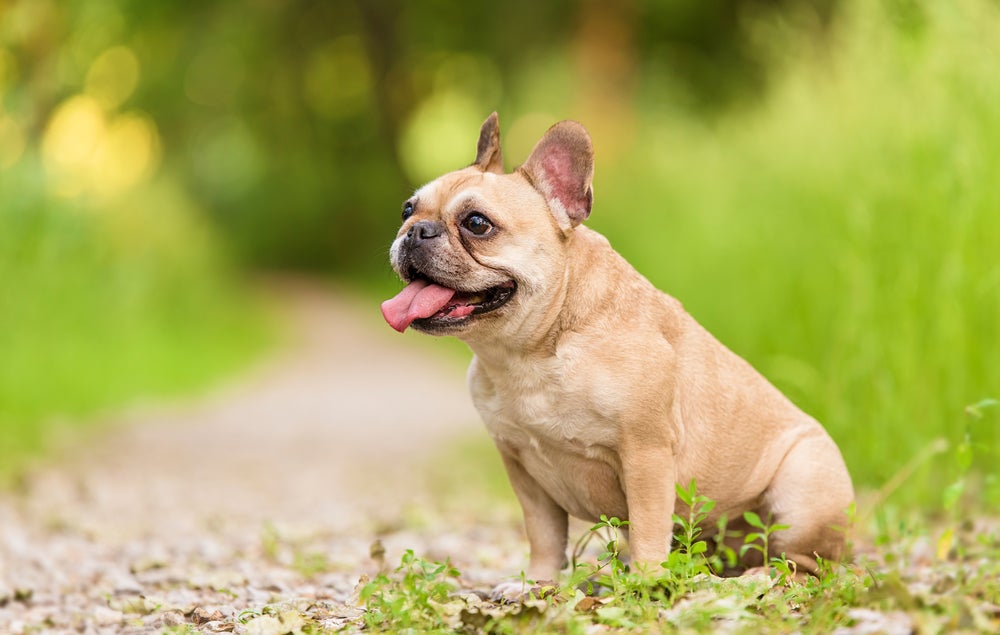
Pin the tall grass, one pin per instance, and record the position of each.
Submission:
(106, 302)
(845, 236)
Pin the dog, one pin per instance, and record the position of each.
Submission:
(601, 392)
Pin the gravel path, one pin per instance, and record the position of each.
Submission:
(267, 493)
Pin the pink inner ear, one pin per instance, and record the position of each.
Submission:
(558, 169)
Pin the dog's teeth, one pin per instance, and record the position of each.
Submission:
(476, 299)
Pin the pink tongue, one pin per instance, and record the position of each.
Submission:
(420, 299)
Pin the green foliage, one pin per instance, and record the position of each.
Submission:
(297, 125)
(838, 230)
(687, 559)
(885, 593)
(964, 454)
(610, 572)
(760, 540)
(413, 599)
(104, 305)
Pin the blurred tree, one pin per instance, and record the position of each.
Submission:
(288, 121)
(714, 50)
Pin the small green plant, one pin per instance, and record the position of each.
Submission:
(410, 599)
(635, 596)
(689, 557)
(630, 597)
(965, 454)
(760, 540)
(723, 556)
(610, 567)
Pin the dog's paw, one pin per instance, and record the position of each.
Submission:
(510, 591)
(519, 590)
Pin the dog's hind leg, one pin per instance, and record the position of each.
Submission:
(811, 493)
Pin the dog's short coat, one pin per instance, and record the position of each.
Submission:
(600, 392)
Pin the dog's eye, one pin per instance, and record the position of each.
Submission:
(477, 224)
(407, 210)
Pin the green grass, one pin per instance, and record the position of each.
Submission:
(912, 584)
(105, 303)
(843, 236)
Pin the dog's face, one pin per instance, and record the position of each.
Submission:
(483, 252)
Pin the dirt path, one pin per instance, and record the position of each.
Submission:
(268, 491)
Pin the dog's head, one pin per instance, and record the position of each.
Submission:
(484, 252)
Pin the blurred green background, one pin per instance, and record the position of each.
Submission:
(818, 182)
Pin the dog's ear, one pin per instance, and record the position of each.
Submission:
(488, 155)
(561, 167)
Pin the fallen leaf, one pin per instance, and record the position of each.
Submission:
(588, 603)
(201, 615)
(292, 621)
(265, 625)
(147, 564)
(139, 605)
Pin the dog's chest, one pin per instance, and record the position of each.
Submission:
(567, 443)
(528, 404)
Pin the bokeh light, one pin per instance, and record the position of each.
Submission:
(215, 75)
(227, 156)
(441, 136)
(337, 78)
(87, 151)
(112, 77)
(12, 141)
(8, 71)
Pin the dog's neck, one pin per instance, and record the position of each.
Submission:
(535, 335)
(538, 333)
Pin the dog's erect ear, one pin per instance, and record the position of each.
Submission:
(488, 155)
(561, 167)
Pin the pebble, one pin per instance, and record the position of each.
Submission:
(172, 618)
(104, 616)
(103, 589)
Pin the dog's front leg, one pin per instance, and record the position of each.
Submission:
(649, 477)
(546, 525)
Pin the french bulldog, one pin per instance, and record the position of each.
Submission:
(601, 392)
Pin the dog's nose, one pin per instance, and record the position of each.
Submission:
(425, 230)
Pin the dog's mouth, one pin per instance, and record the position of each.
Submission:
(430, 305)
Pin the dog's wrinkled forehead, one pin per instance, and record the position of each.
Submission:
(444, 195)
